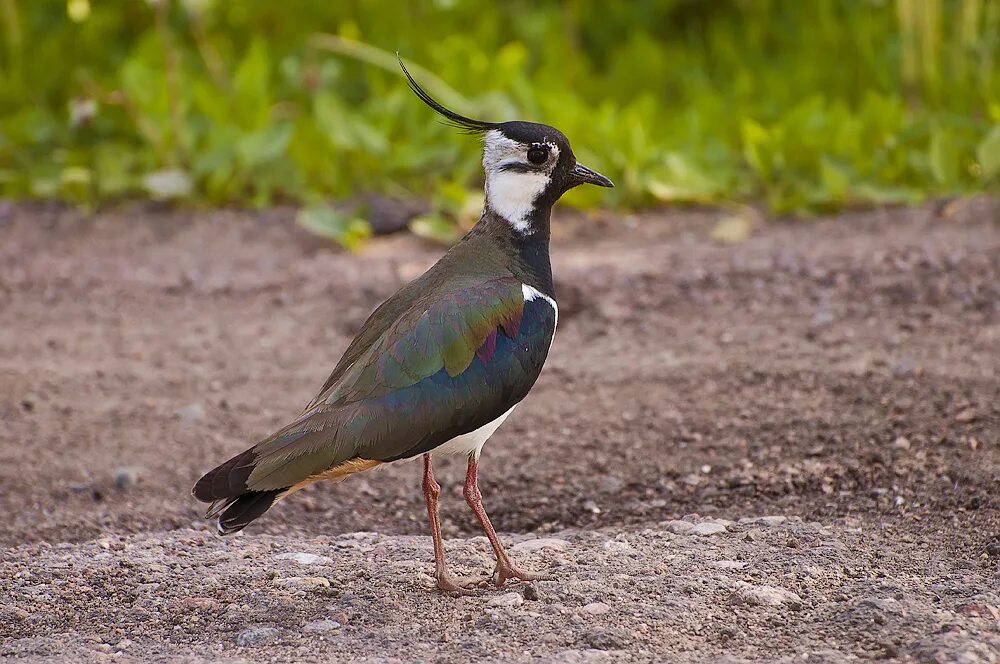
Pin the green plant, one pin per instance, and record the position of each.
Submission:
(803, 105)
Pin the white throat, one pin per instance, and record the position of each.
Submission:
(512, 193)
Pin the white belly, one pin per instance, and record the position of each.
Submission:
(472, 442)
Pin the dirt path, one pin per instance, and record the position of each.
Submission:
(843, 372)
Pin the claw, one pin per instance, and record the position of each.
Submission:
(461, 585)
(502, 573)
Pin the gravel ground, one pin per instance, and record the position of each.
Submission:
(839, 377)
(688, 590)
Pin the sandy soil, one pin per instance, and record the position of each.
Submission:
(842, 374)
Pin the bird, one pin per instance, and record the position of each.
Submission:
(442, 363)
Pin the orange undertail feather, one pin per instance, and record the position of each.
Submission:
(338, 473)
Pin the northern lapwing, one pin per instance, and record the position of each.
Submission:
(443, 362)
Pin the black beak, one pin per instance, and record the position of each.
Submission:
(583, 175)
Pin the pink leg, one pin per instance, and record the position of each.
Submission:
(505, 569)
(445, 580)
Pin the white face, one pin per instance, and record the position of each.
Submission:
(512, 193)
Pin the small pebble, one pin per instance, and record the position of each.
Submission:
(822, 318)
(125, 478)
(321, 626)
(302, 582)
(540, 543)
(610, 484)
(14, 611)
(966, 415)
(707, 528)
(531, 593)
(193, 412)
(728, 564)
(764, 520)
(507, 599)
(305, 558)
(903, 368)
(256, 636)
(597, 608)
(189, 604)
(766, 596)
(680, 527)
(617, 546)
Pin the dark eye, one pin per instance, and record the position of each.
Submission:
(538, 155)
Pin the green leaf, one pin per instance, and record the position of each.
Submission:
(988, 154)
(349, 231)
(264, 145)
(436, 228)
(943, 157)
(836, 182)
(755, 137)
(251, 84)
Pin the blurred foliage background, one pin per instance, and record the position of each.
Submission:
(803, 106)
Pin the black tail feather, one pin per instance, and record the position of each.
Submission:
(229, 480)
(232, 501)
(239, 512)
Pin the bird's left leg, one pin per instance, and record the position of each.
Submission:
(505, 569)
(442, 575)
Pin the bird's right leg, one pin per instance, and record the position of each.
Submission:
(445, 581)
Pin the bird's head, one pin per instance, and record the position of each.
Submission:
(528, 165)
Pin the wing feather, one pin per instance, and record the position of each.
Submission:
(432, 374)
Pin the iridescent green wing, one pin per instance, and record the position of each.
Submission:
(449, 365)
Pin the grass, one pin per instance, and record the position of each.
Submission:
(804, 106)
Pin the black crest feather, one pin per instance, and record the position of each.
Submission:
(454, 119)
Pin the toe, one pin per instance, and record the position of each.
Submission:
(460, 585)
(500, 575)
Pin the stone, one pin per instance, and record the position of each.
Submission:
(772, 520)
(617, 546)
(764, 520)
(610, 638)
(125, 478)
(905, 367)
(680, 527)
(728, 564)
(256, 636)
(766, 596)
(15, 612)
(302, 582)
(193, 412)
(597, 608)
(708, 528)
(304, 558)
(321, 626)
(966, 415)
(585, 656)
(540, 543)
(189, 604)
(610, 483)
(507, 600)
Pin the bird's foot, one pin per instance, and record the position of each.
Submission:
(460, 585)
(503, 572)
